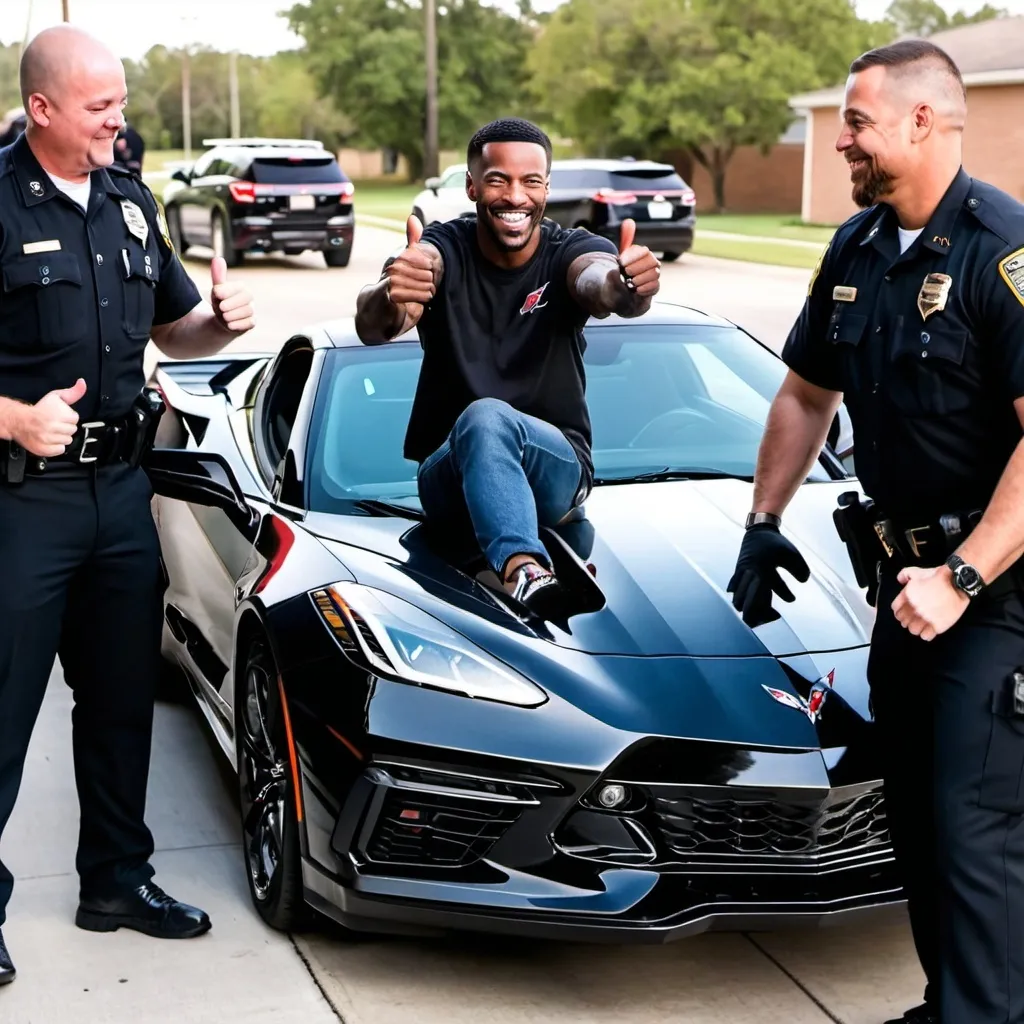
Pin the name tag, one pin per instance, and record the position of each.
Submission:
(844, 293)
(52, 245)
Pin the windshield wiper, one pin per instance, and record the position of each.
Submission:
(668, 473)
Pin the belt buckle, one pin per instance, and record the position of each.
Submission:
(87, 440)
(915, 544)
(882, 531)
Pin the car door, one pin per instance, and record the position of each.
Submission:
(190, 203)
(452, 200)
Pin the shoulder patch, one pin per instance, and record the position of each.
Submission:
(1011, 270)
(817, 268)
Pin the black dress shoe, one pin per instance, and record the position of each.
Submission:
(147, 909)
(7, 971)
(923, 1014)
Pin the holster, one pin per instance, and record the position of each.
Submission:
(855, 524)
(146, 412)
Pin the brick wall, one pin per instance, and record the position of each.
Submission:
(753, 183)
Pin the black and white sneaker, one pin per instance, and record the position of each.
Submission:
(536, 588)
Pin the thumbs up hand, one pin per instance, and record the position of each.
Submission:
(232, 304)
(410, 276)
(48, 427)
(641, 269)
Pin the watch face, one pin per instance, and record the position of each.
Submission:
(968, 578)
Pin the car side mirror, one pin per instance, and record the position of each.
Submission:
(200, 478)
(433, 184)
(183, 176)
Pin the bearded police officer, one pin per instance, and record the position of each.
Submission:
(88, 276)
(916, 315)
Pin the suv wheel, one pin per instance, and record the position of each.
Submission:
(669, 257)
(173, 219)
(221, 242)
(338, 257)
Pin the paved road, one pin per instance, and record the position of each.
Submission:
(242, 971)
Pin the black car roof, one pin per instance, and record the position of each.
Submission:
(341, 333)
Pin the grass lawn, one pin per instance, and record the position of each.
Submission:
(774, 225)
(756, 252)
(384, 199)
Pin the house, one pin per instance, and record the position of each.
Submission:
(990, 55)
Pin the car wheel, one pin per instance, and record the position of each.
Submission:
(174, 231)
(270, 827)
(669, 257)
(338, 257)
(221, 242)
(418, 214)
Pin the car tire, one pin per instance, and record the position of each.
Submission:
(418, 214)
(221, 242)
(670, 257)
(338, 257)
(174, 231)
(270, 825)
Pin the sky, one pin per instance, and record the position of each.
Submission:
(131, 27)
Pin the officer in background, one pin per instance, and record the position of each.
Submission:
(88, 276)
(129, 149)
(916, 315)
(12, 125)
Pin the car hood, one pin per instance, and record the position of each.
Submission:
(664, 554)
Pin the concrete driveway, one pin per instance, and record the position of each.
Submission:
(243, 972)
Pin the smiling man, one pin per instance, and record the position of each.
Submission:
(499, 423)
(916, 316)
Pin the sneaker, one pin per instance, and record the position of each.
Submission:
(536, 588)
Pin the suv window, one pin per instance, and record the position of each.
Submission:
(294, 170)
(201, 167)
(626, 180)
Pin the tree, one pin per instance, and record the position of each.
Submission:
(925, 17)
(368, 55)
(700, 75)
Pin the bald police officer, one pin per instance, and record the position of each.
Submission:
(88, 276)
(916, 315)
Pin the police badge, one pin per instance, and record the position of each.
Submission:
(136, 221)
(933, 294)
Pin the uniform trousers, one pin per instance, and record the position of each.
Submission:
(81, 580)
(953, 754)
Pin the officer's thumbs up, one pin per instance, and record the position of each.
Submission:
(413, 230)
(231, 303)
(73, 394)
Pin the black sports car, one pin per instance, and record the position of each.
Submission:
(415, 752)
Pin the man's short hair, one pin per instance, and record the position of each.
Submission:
(506, 129)
(901, 56)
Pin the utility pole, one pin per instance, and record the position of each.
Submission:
(64, 5)
(430, 149)
(186, 103)
(236, 132)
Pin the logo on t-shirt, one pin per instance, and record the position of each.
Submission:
(532, 300)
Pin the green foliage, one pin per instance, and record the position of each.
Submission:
(654, 75)
(925, 17)
(369, 56)
(10, 94)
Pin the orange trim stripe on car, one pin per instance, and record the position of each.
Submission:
(291, 750)
(337, 735)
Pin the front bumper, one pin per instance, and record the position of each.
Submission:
(421, 849)
(266, 234)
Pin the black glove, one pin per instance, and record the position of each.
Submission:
(763, 552)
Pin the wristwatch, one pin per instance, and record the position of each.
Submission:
(759, 518)
(966, 578)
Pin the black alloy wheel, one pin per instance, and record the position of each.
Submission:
(270, 827)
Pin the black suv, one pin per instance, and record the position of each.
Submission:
(600, 194)
(262, 195)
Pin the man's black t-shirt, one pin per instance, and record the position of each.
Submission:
(515, 335)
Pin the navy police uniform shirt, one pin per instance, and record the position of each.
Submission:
(927, 347)
(81, 289)
(515, 335)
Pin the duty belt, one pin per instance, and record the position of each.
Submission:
(928, 542)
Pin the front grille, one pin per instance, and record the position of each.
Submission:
(429, 829)
(697, 828)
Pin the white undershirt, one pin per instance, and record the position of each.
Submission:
(907, 238)
(79, 191)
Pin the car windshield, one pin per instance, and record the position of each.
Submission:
(663, 400)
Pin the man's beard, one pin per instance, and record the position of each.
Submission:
(487, 215)
(870, 185)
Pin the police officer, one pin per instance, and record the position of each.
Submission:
(916, 315)
(87, 277)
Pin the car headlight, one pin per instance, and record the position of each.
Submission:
(400, 641)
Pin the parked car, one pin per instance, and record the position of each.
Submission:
(415, 751)
(595, 194)
(444, 198)
(262, 195)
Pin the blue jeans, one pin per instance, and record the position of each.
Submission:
(509, 472)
